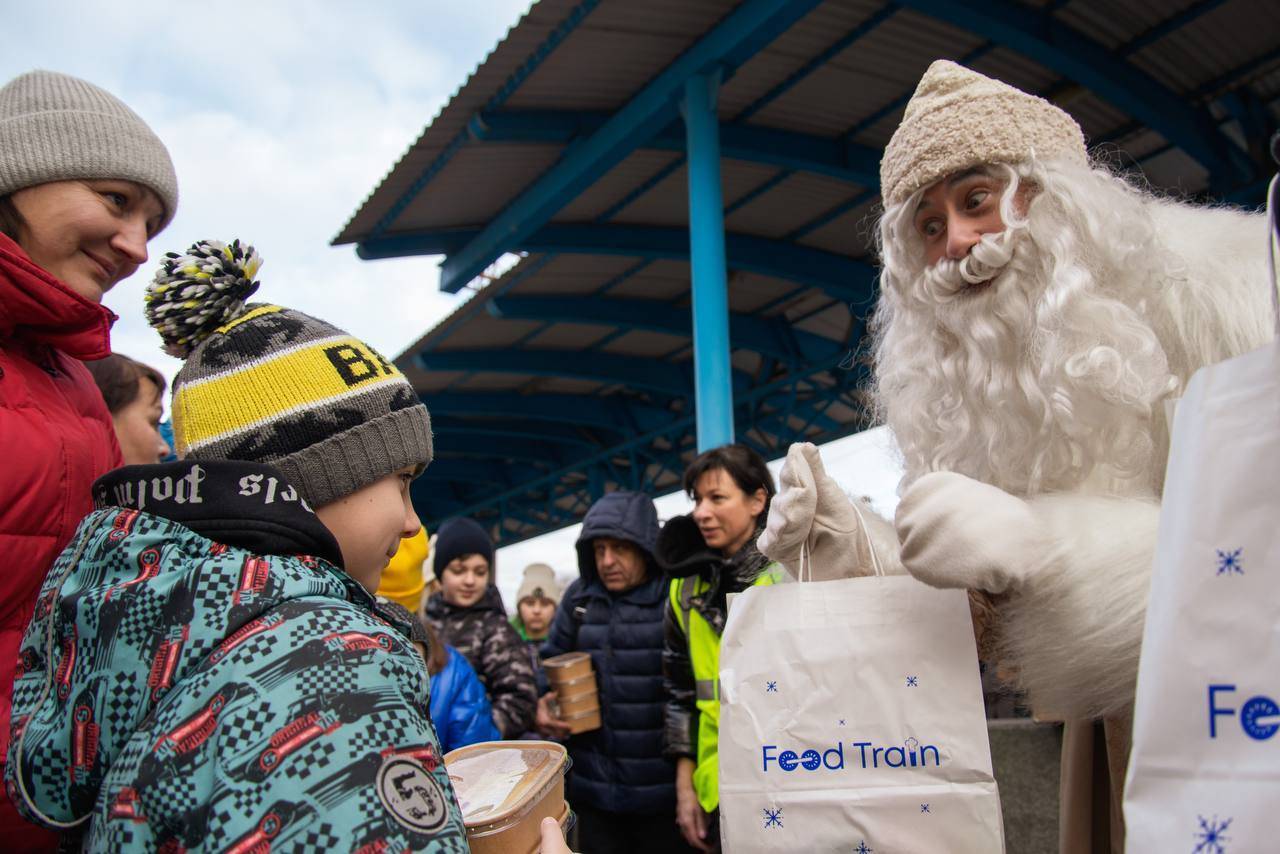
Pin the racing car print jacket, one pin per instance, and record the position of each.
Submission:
(201, 675)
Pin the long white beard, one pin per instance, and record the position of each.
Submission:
(1032, 382)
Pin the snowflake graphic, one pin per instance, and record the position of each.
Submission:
(773, 818)
(1229, 562)
(924, 808)
(913, 681)
(771, 687)
(842, 722)
(862, 848)
(1211, 835)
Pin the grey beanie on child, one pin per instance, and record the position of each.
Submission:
(55, 127)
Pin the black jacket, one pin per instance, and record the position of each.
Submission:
(619, 767)
(682, 552)
(482, 634)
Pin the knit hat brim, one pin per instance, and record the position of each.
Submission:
(342, 464)
(54, 127)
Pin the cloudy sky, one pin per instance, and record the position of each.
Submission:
(281, 116)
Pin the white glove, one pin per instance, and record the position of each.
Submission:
(811, 508)
(958, 532)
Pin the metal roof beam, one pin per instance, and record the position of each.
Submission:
(676, 426)
(742, 33)
(603, 413)
(834, 158)
(472, 445)
(1048, 41)
(480, 471)
(747, 332)
(608, 368)
(553, 40)
(843, 278)
(508, 429)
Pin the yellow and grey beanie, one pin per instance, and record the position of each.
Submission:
(269, 384)
(55, 127)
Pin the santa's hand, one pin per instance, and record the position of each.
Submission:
(958, 532)
(811, 508)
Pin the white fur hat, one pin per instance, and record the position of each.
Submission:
(958, 119)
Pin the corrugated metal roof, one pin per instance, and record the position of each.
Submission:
(839, 74)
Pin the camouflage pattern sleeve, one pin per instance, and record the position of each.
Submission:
(510, 679)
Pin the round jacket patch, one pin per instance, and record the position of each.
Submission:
(412, 795)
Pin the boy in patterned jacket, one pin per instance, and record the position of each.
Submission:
(207, 668)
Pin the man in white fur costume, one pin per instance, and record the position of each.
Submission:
(1036, 315)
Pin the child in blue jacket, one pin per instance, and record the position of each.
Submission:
(459, 707)
(206, 668)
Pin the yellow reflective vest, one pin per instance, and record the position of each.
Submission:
(704, 657)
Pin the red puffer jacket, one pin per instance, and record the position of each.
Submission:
(56, 437)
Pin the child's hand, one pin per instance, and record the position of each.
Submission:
(552, 839)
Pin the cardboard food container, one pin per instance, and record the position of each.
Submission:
(577, 704)
(575, 687)
(567, 667)
(506, 789)
(583, 721)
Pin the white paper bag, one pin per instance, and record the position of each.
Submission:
(851, 720)
(1204, 772)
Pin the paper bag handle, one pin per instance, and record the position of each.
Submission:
(806, 568)
(1273, 202)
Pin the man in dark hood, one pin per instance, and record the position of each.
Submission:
(621, 787)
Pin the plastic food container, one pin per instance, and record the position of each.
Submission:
(570, 666)
(506, 789)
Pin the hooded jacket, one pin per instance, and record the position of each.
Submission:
(201, 674)
(619, 767)
(481, 633)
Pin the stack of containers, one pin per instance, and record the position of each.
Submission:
(574, 682)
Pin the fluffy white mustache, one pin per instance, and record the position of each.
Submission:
(986, 260)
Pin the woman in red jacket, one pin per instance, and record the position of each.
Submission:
(84, 184)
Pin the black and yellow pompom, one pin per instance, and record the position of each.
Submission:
(194, 293)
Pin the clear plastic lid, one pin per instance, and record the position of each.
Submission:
(498, 781)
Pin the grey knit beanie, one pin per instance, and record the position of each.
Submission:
(273, 385)
(54, 127)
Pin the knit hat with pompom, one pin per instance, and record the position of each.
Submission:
(269, 384)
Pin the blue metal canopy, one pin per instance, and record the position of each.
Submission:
(647, 159)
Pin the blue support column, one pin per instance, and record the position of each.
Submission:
(713, 383)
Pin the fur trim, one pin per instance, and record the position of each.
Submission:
(1073, 633)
